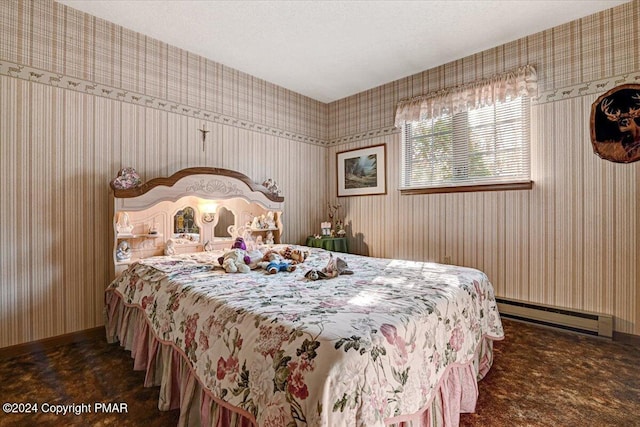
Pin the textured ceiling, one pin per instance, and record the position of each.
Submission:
(328, 50)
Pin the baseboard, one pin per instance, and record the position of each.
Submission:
(597, 324)
(53, 342)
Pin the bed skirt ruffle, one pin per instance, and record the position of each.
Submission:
(167, 366)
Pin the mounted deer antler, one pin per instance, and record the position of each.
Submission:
(635, 112)
(604, 106)
(621, 118)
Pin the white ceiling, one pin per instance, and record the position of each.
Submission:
(328, 50)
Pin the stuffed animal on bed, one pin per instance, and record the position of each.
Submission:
(335, 267)
(273, 263)
(255, 257)
(296, 255)
(236, 259)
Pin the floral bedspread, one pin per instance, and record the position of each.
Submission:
(353, 350)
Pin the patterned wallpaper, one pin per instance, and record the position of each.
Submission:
(81, 97)
(587, 56)
(49, 43)
(562, 243)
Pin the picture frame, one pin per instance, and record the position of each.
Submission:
(615, 119)
(362, 171)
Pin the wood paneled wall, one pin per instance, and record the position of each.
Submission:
(81, 98)
(571, 241)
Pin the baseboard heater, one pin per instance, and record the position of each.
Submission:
(597, 324)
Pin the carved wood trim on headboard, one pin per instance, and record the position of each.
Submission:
(171, 180)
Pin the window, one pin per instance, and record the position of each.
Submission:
(477, 149)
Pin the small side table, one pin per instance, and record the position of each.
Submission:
(334, 244)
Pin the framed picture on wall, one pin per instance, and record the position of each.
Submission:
(615, 124)
(362, 172)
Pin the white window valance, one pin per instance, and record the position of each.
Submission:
(500, 88)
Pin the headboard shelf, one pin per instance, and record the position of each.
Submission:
(138, 236)
(192, 209)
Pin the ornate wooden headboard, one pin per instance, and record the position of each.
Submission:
(194, 209)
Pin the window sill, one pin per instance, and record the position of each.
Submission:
(469, 188)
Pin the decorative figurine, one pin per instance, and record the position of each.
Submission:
(127, 178)
(170, 247)
(333, 210)
(270, 220)
(124, 225)
(269, 239)
(123, 253)
(271, 186)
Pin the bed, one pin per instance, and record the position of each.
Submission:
(395, 343)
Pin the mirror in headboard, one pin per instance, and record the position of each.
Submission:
(194, 207)
(224, 218)
(184, 222)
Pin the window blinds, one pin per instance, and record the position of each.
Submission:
(483, 146)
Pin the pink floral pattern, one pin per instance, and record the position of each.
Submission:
(127, 178)
(457, 339)
(365, 347)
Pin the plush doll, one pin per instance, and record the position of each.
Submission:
(334, 268)
(255, 257)
(296, 255)
(273, 262)
(236, 259)
(299, 255)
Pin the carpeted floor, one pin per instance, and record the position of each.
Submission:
(540, 377)
(544, 377)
